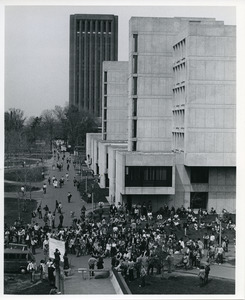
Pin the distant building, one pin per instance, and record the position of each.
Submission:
(93, 39)
(181, 145)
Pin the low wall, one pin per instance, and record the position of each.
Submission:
(119, 283)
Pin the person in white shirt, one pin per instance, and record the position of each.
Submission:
(32, 267)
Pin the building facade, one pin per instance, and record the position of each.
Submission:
(181, 116)
(93, 39)
(115, 101)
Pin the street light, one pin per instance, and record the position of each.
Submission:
(220, 228)
(95, 181)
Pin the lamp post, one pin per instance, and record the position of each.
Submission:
(18, 205)
(93, 185)
(220, 229)
(86, 182)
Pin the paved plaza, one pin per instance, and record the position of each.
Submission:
(75, 283)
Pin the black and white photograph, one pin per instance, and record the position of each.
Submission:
(120, 150)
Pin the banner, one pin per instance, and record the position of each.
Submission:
(56, 244)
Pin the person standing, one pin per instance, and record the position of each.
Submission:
(142, 275)
(44, 188)
(59, 208)
(69, 197)
(42, 269)
(53, 220)
(22, 190)
(51, 269)
(66, 264)
(100, 263)
(32, 267)
(201, 275)
(39, 210)
(131, 269)
(91, 263)
(207, 270)
(33, 245)
(61, 217)
(170, 260)
(67, 176)
(55, 183)
(78, 185)
(57, 258)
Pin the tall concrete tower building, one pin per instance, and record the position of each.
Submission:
(93, 39)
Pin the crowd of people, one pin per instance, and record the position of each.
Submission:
(133, 239)
(137, 240)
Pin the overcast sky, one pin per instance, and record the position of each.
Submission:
(37, 47)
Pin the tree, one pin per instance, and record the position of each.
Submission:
(33, 130)
(61, 126)
(14, 124)
(49, 125)
(78, 123)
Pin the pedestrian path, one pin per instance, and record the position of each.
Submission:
(75, 283)
(60, 194)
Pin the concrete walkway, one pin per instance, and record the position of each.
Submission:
(73, 284)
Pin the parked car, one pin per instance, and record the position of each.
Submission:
(16, 259)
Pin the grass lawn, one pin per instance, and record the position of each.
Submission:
(33, 174)
(99, 193)
(12, 209)
(186, 285)
(9, 187)
(19, 284)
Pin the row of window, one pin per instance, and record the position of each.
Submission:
(134, 91)
(143, 176)
(90, 25)
(178, 141)
(148, 176)
(179, 73)
(99, 33)
(179, 118)
(105, 107)
(179, 50)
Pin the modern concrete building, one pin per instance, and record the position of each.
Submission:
(204, 115)
(181, 116)
(115, 100)
(114, 124)
(93, 39)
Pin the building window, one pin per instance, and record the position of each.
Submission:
(135, 64)
(105, 76)
(104, 126)
(150, 176)
(199, 200)
(134, 85)
(104, 26)
(134, 146)
(134, 131)
(105, 101)
(105, 136)
(135, 42)
(105, 89)
(199, 174)
(105, 114)
(134, 107)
